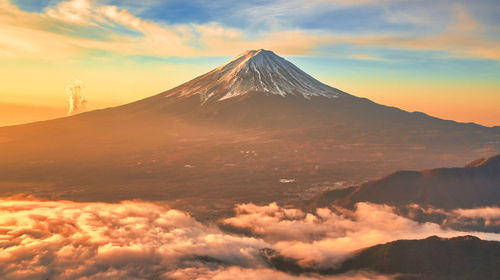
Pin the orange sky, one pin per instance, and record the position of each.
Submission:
(44, 97)
(440, 58)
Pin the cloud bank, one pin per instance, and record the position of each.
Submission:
(327, 237)
(144, 240)
(133, 240)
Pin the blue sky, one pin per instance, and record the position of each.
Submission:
(323, 18)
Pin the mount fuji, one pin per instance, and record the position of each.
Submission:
(255, 129)
(254, 71)
(261, 89)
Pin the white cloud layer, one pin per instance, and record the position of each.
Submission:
(328, 237)
(144, 240)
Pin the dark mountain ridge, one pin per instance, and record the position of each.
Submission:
(477, 184)
(464, 257)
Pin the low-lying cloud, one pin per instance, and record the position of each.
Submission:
(484, 218)
(145, 240)
(234, 272)
(133, 240)
(328, 236)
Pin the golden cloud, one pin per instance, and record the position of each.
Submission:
(25, 34)
(143, 240)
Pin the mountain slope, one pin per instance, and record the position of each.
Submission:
(475, 185)
(261, 89)
(230, 136)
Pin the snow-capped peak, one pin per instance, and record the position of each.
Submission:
(255, 71)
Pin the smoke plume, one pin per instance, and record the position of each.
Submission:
(75, 98)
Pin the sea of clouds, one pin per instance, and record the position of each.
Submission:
(145, 240)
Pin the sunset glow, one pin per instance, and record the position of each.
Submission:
(438, 58)
(257, 139)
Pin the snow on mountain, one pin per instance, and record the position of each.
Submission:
(254, 71)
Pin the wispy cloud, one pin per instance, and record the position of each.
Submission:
(74, 11)
(464, 22)
(33, 34)
(365, 57)
(462, 37)
(458, 45)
